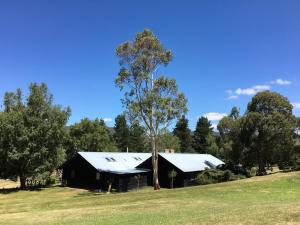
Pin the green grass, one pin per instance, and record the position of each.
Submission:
(273, 199)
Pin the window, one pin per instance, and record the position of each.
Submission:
(108, 159)
(97, 176)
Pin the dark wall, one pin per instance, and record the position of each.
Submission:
(131, 182)
(164, 167)
(77, 172)
(182, 179)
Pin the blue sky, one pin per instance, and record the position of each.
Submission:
(224, 51)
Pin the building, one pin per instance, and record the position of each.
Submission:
(102, 170)
(125, 171)
(187, 167)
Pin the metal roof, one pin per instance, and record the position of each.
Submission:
(192, 162)
(115, 162)
(123, 162)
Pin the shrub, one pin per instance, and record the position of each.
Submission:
(296, 165)
(253, 171)
(209, 176)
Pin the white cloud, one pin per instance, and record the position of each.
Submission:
(107, 120)
(253, 90)
(296, 105)
(280, 81)
(232, 97)
(214, 116)
(229, 92)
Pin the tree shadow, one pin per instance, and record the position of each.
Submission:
(92, 192)
(9, 190)
(17, 189)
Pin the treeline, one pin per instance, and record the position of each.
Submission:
(266, 135)
(35, 138)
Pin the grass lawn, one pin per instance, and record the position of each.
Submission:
(273, 199)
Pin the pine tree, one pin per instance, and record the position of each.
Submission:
(203, 129)
(122, 133)
(183, 132)
(234, 113)
(137, 141)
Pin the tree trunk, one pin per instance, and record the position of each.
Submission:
(22, 182)
(261, 164)
(155, 164)
(109, 187)
(261, 167)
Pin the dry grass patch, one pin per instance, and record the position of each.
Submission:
(7, 184)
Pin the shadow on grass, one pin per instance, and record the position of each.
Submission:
(95, 193)
(14, 190)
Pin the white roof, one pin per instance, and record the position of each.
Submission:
(192, 162)
(115, 161)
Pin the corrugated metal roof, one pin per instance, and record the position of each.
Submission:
(192, 162)
(115, 162)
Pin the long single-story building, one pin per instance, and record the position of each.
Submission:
(99, 170)
(125, 171)
(187, 167)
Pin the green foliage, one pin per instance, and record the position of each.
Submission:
(152, 100)
(89, 135)
(203, 130)
(137, 138)
(234, 113)
(296, 161)
(268, 131)
(253, 171)
(121, 134)
(210, 176)
(183, 133)
(32, 134)
(172, 174)
(168, 141)
(212, 147)
(231, 148)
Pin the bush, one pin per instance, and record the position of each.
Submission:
(209, 176)
(253, 171)
(296, 165)
(50, 180)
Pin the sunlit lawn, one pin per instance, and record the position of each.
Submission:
(273, 199)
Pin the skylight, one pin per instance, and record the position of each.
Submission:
(137, 158)
(110, 159)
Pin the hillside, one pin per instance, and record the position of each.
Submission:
(273, 199)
